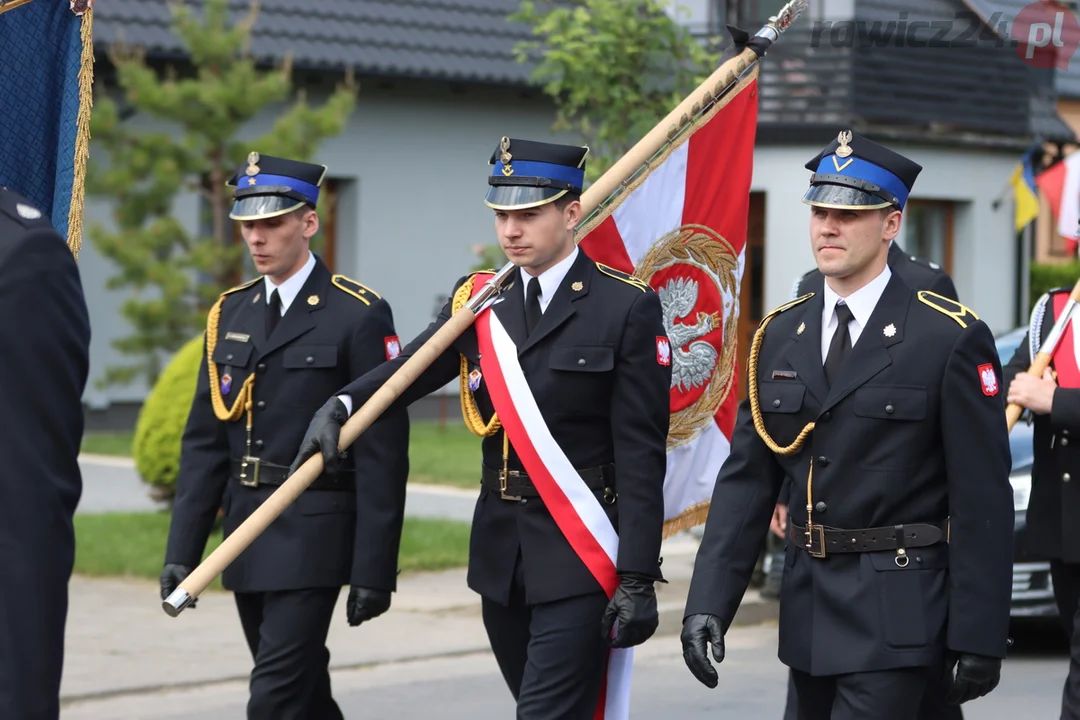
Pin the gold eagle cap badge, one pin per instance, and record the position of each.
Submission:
(844, 138)
(506, 157)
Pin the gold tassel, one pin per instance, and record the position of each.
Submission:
(82, 136)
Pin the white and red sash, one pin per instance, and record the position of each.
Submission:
(575, 509)
(1065, 360)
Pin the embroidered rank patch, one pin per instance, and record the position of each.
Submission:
(393, 347)
(988, 379)
(663, 350)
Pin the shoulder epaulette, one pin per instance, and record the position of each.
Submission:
(959, 312)
(243, 286)
(620, 275)
(20, 210)
(358, 290)
(925, 263)
(789, 304)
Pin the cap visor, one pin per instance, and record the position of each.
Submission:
(519, 197)
(260, 207)
(839, 197)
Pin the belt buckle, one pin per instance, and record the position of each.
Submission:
(817, 531)
(254, 480)
(503, 475)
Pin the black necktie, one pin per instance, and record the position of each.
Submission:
(532, 305)
(840, 347)
(273, 312)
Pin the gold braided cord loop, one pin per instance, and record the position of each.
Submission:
(469, 411)
(243, 397)
(82, 133)
(755, 407)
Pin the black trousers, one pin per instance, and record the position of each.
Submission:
(883, 695)
(932, 707)
(551, 655)
(1066, 579)
(286, 632)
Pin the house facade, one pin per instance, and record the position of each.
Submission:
(439, 87)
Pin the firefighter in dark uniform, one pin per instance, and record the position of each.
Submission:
(882, 406)
(45, 333)
(275, 348)
(919, 274)
(587, 339)
(1053, 515)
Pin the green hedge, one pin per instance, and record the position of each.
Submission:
(161, 422)
(1051, 275)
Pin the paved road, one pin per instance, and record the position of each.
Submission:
(111, 484)
(467, 687)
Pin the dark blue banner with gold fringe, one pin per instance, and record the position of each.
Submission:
(46, 74)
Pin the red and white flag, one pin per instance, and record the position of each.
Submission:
(1061, 185)
(681, 227)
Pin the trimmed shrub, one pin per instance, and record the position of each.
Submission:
(1047, 276)
(160, 427)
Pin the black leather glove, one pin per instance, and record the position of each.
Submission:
(634, 604)
(171, 576)
(976, 675)
(697, 632)
(366, 604)
(322, 435)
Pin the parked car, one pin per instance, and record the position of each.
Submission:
(1032, 590)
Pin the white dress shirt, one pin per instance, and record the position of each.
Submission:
(550, 279)
(289, 289)
(862, 303)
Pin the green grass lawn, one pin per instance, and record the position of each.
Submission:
(108, 443)
(133, 544)
(447, 455)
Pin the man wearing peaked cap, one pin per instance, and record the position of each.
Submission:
(880, 407)
(585, 346)
(274, 348)
(920, 274)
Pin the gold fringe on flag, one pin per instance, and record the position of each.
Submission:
(691, 517)
(82, 136)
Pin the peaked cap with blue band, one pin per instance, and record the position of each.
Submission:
(527, 174)
(854, 173)
(269, 186)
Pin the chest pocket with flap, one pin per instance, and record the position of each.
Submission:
(582, 358)
(310, 356)
(891, 402)
(233, 353)
(780, 397)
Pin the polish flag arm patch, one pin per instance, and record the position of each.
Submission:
(663, 350)
(393, 347)
(988, 379)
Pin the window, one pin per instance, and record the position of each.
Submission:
(927, 231)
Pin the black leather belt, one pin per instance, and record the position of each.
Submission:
(823, 540)
(518, 485)
(259, 472)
